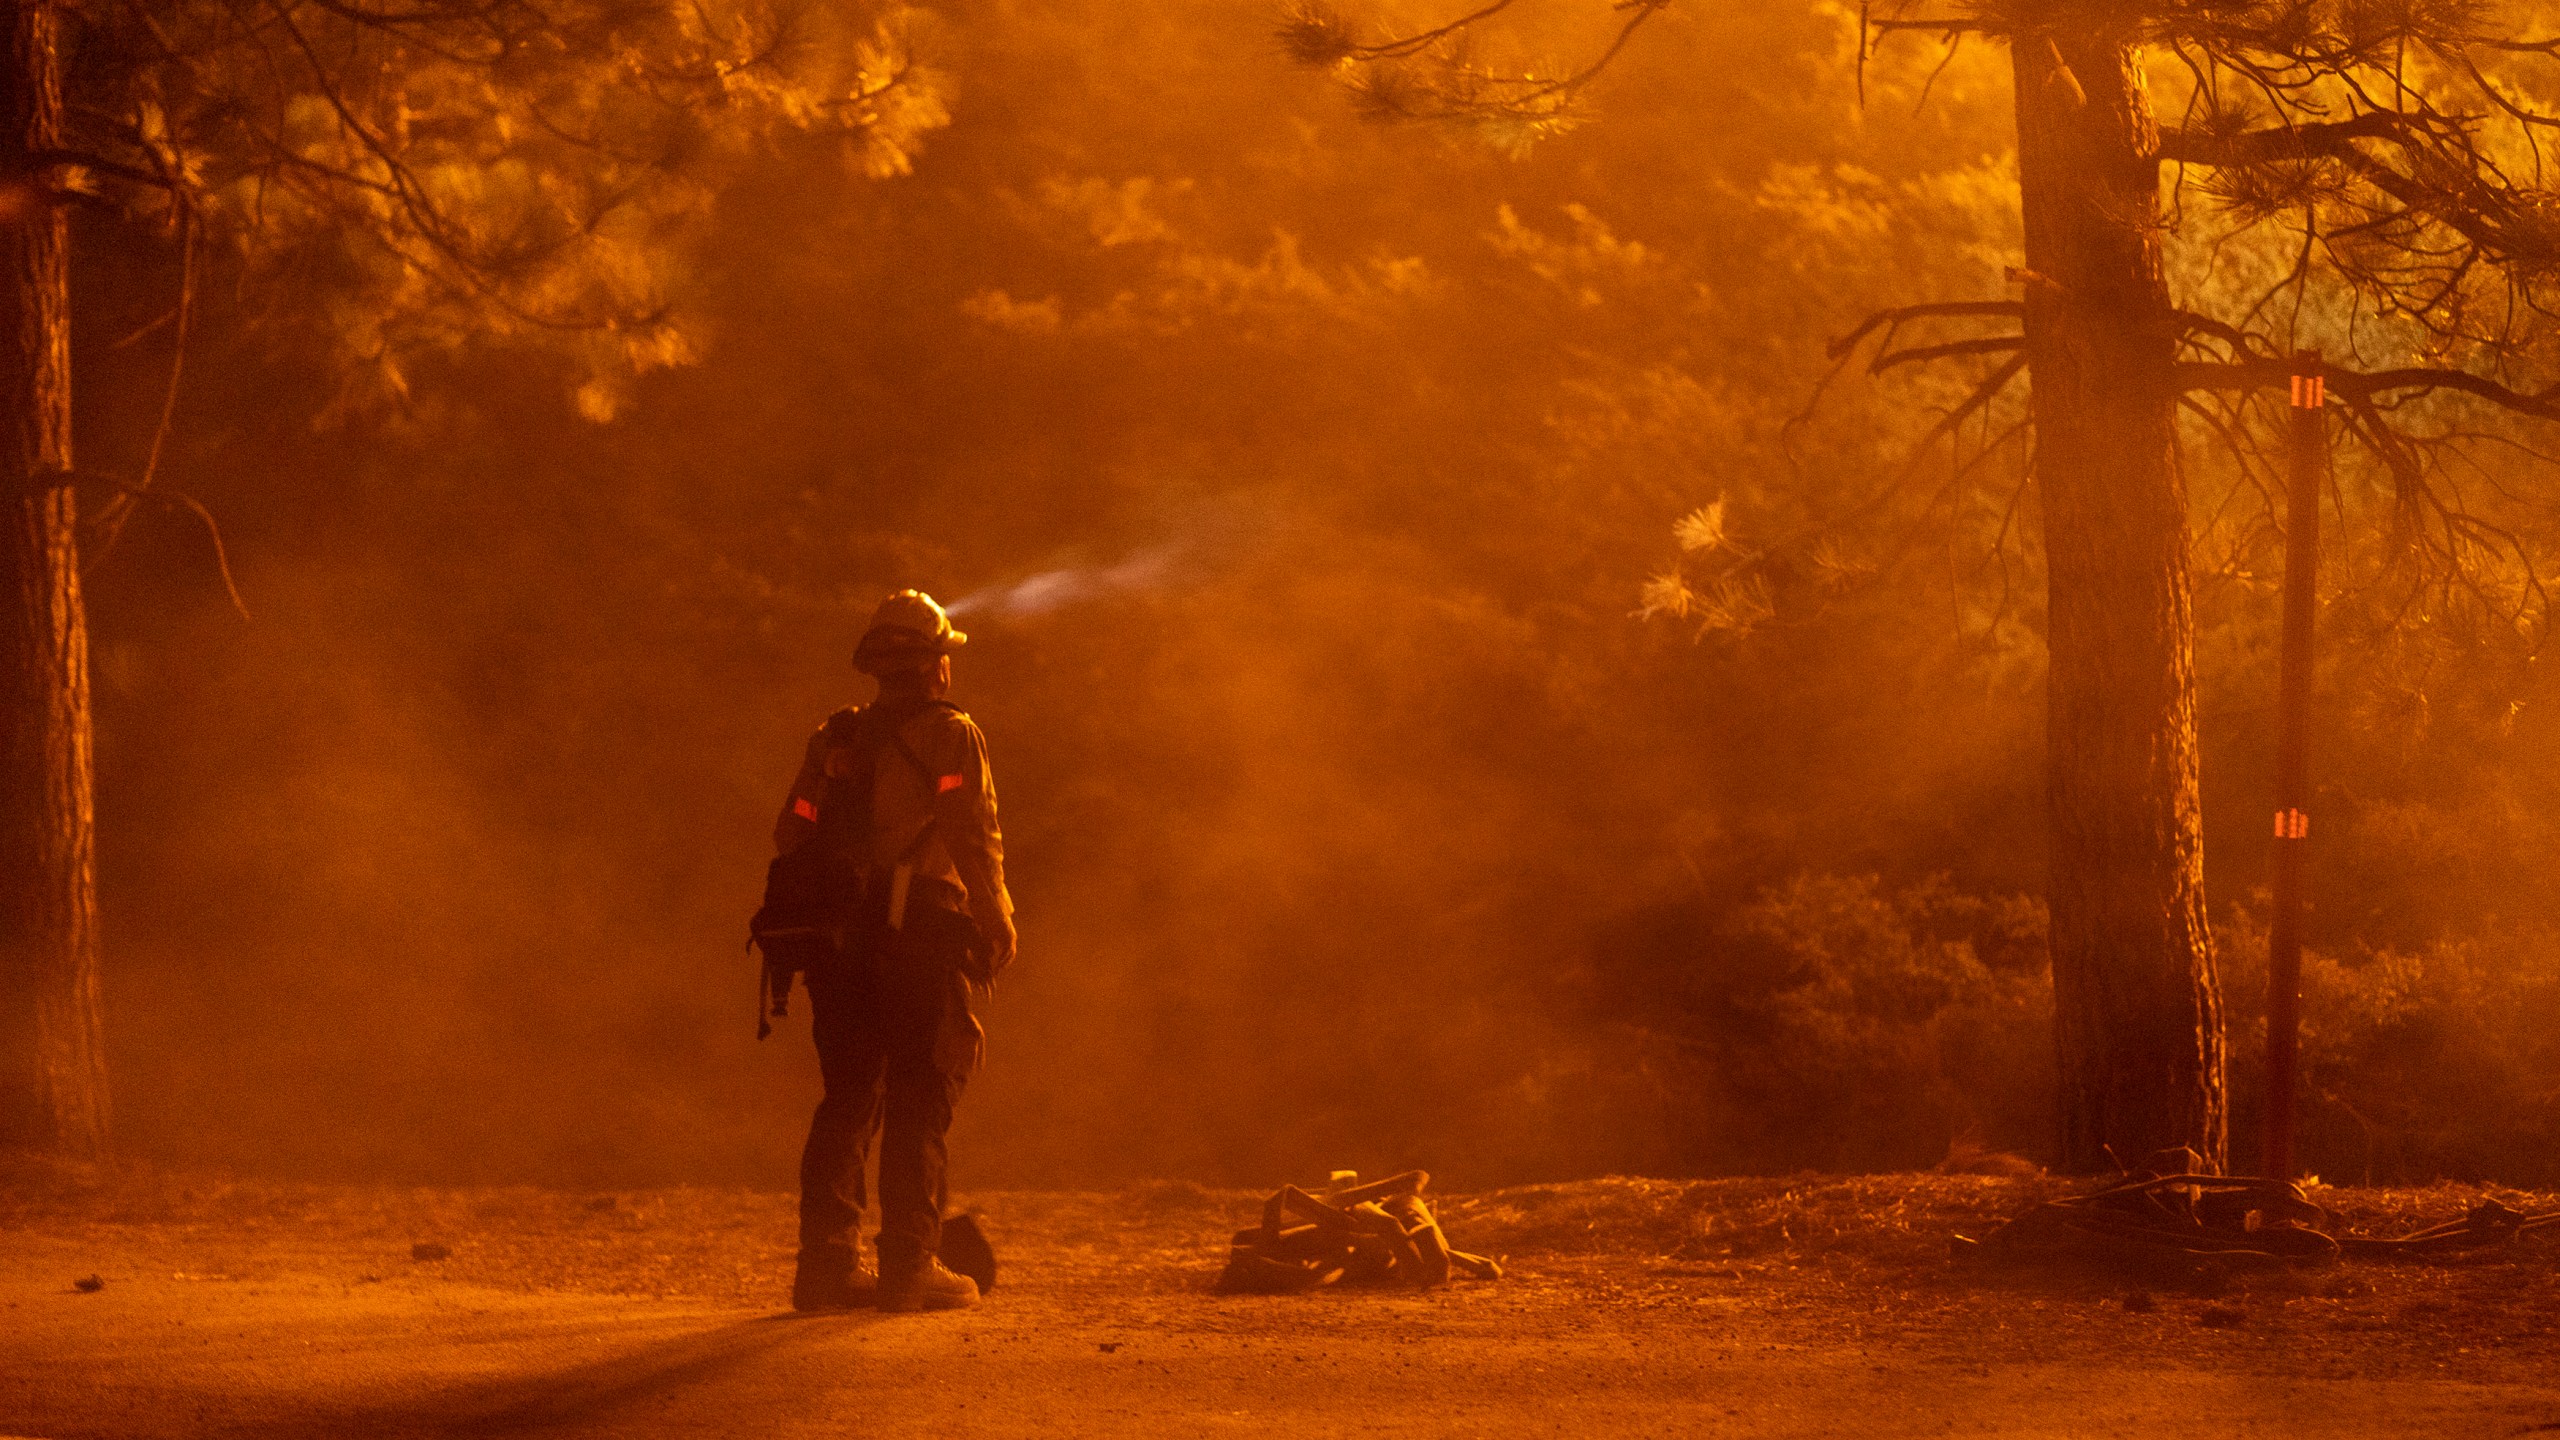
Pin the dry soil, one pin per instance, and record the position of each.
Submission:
(1799, 1307)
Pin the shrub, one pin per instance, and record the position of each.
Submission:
(1838, 1024)
(2438, 1062)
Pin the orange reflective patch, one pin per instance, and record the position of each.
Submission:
(949, 784)
(801, 807)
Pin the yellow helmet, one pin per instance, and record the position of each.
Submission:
(909, 626)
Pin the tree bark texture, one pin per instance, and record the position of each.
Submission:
(53, 1078)
(2138, 1010)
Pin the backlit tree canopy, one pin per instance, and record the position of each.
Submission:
(416, 176)
(2400, 148)
(453, 169)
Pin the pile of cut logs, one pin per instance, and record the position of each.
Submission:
(1381, 1233)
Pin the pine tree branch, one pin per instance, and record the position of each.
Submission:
(1980, 397)
(2241, 341)
(1944, 25)
(1315, 34)
(2367, 387)
(1922, 354)
(2448, 178)
(65, 479)
(2189, 145)
(1420, 41)
(1895, 318)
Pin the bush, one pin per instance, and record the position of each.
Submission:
(1837, 1024)
(2441, 1062)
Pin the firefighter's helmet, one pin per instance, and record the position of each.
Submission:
(909, 627)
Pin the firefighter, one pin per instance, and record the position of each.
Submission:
(901, 787)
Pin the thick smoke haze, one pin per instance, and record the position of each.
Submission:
(1300, 482)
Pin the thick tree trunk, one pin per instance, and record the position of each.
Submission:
(53, 1079)
(2138, 1010)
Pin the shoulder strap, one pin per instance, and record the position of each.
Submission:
(879, 724)
(932, 781)
(898, 735)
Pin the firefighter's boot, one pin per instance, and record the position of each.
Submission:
(925, 1286)
(831, 1279)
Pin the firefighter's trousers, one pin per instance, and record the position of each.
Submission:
(896, 1044)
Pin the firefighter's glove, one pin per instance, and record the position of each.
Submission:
(994, 950)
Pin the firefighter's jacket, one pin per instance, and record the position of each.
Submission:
(933, 807)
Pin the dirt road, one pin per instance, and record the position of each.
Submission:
(261, 1312)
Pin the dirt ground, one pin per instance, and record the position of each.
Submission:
(1765, 1307)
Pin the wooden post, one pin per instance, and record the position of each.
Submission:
(2308, 465)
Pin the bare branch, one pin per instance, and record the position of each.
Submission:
(111, 523)
(1922, 354)
(127, 489)
(2240, 341)
(1980, 396)
(2010, 309)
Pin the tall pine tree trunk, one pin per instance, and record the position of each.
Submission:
(53, 1080)
(2138, 1010)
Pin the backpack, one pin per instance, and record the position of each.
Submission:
(818, 903)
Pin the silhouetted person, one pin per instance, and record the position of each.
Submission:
(901, 787)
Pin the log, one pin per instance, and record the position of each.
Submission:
(1362, 1234)
(1431, 1247)
(1411, 1182)
(1304, 1244)
(1409, 1210)
(1409, 1266)
(1253, 1235)
(1299, 1201)
(1368, 1260)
